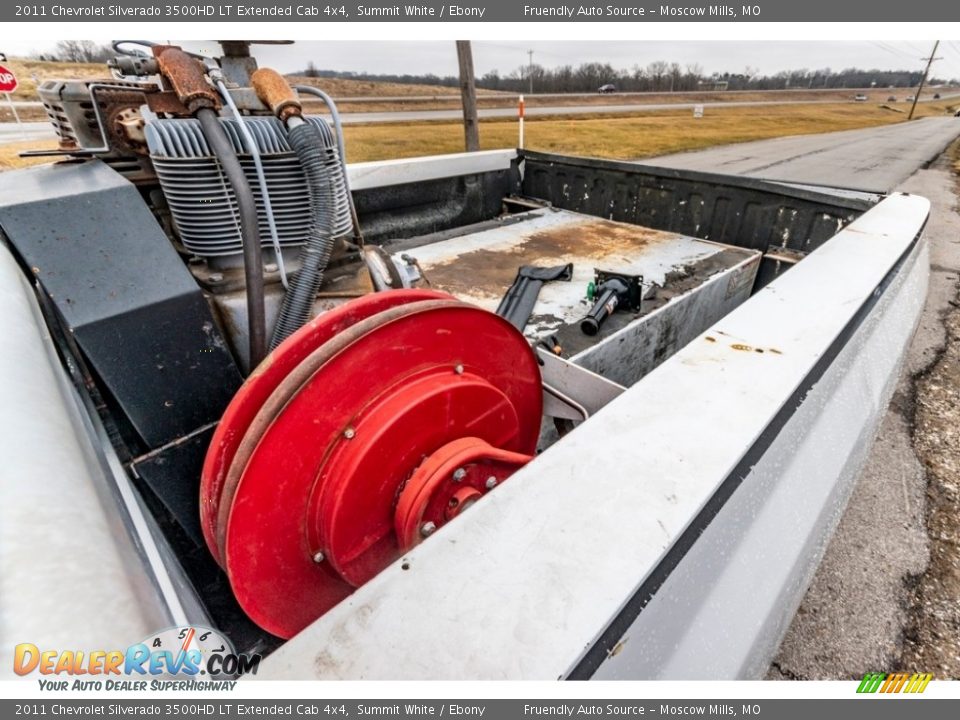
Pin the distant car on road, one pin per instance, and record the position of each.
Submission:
(607, 89)
(936, 96)
(892, 98)
(910, 98)
(859, 97)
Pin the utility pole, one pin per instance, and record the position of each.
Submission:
(923, 80)
(530, 69)
(468, 94)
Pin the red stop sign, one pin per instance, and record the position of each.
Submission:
(8, 81)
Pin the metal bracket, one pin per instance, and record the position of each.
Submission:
(571, 392)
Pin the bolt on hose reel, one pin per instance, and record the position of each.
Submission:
(363, 433)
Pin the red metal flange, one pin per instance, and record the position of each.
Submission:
(321, 466)
(264, 380)
(447, 483)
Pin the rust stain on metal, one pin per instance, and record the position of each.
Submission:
(187, 78)
(710, 339)
(489, 272)
(166, 102)
(275, 92)
(742, 347)
(776, 352)
(615, 650)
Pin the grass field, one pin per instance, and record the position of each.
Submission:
(31, 73)
(627, 138)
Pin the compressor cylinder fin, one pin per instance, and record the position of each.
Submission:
(201, 202)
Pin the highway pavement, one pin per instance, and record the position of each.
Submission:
(876, 159)
(9, 132)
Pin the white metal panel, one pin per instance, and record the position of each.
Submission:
(742, 581)
(383, 173)
(64, 582)
(521, 585)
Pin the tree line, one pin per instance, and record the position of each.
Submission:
(79, 51)
(658, 76)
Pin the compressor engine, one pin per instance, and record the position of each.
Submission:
(360, 430)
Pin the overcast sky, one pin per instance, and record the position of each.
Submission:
(439, 57)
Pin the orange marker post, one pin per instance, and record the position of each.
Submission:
(520, 116)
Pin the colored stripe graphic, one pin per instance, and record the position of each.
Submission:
(894, 683)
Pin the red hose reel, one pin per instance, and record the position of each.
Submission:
(364, 432)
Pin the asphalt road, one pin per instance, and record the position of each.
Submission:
(10, 132)
(858, 610)
(875, 159)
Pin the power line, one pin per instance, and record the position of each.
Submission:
(892, 50)
(918, 51)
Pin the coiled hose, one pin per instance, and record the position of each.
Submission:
(307, 143)
(222, 148)
(341, 147)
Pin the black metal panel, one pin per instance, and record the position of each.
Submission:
(120, 287)
(165, 471)
(736, 211)
(413, 209)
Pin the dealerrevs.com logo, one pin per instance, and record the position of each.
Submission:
(180, 658)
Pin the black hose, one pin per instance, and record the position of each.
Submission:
(222, 148)
(342, 149)
(307, 143)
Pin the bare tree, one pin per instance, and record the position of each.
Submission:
(85, 51)
(657, 71)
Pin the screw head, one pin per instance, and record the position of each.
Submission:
(491, 483)
(319, 557)
(459, 474)
(458, 369)
(349, 433)
(428, 528)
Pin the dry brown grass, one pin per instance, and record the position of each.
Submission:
(31, 73)
(505, 100)
(650, 134)
(345, 88)
(627, 138)
(10, 153)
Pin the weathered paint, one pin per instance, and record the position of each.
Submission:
(524, 584)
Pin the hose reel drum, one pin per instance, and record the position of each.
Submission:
(362, 434)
